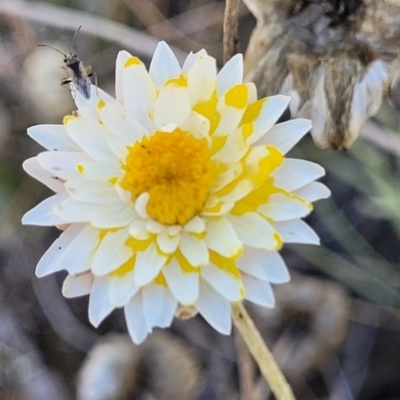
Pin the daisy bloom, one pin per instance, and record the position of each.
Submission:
(175, 194)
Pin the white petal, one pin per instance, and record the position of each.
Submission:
(223, 179)
(253, 230)
(296, 231)
(112, 252)
(195, 225)
(79, 254)
(154, 227)
(99, 304)
(223, 282)
(271, 110)
(119, 124)
(77, 285)
(201, 79)
(44, 213)
(148, 265)
(34, 169)
(164, 65)
(138, 229)
(191, 59)
(231, 107)
(158, 305)
(258, 292)
(90, 136)
(263, 264)
(241, 189)
(53, 137)
(141, 205)
(183, 285)
(313, 191)
(112, 215)
(96, 94)
(139, 92)
(221, 237)
(233, 150)
(230, 75)
(214, 308)
(197, 125)
(174, 230)
(281, 207)
(104, 170)
(252, 92)
(172, 105)
(285, 135)
(87, 106)
(62, 164)
(167, 243)
(122, 289)
(48, 263)
(88, 191)
(194, 249)
(293, 174)
(119, 67)
(214, 207)
(135, 319)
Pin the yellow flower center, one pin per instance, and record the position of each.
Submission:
(174, 168)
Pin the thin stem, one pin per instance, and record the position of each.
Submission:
(230, 28)
(259, 350)
(66, 18)
(246, 368)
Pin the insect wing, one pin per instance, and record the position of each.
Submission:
(83, 87)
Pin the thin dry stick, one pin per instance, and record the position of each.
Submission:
(151, 17)
(264, 358)
(382, 137)
(193, 21)
(230, 28)
(66, 18)
(246, 369)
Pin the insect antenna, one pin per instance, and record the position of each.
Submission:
(74, 38)
(51, 47)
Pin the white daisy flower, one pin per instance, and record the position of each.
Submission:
(177, 193)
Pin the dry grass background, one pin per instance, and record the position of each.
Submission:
(335, 330)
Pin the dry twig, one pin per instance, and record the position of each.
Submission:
(230, 28)
(65, 18)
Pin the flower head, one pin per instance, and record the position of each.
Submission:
(176, 194)
(336, 59)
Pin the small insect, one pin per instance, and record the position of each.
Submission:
(79, 75)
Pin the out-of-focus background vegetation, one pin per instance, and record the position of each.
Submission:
(336, 327)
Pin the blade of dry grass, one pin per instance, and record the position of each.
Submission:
(65, 18)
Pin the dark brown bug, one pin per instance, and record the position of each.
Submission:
(79, 75)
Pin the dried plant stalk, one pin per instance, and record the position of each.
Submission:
(336, 59)
(264, 358)
(230, 28)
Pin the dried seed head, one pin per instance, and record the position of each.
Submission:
(336, 59)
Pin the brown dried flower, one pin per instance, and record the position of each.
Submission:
(335, 58)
